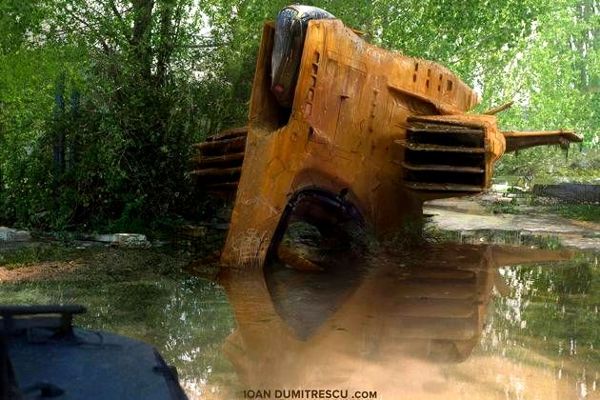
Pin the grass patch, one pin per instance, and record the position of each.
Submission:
(28, 255)
(523, 204)
(580, 212)
(511, 207)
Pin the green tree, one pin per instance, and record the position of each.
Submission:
(141, 106)
(153, 76)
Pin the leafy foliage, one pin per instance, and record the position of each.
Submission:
(100, 100)
(107, 136)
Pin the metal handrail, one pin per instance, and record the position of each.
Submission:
(16, 318)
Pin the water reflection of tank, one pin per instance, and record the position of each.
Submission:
(352, 126)
(365, 324)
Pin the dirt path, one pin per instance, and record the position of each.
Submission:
(467, 215)
(97, 264)
(46, 270)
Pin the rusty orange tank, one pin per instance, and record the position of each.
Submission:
(371, 134)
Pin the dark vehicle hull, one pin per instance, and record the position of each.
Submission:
(72, 363)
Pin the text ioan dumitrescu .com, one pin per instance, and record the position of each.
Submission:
(308, 394)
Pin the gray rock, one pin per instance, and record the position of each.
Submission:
(131, 240)
(570, 192)
(104, 238)
(123, 239)
(13, 235)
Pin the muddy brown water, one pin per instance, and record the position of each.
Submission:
(442, 321)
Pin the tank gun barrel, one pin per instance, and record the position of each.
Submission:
(517, 140)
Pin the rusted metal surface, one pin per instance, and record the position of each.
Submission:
(521, 140)
(496, 110)
(384, 131)
(217, 162)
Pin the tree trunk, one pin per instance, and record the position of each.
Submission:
(141, 36)
(166, 38)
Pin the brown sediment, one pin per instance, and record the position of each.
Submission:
(46, 270)
(98, 264)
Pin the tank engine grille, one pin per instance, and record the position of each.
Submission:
(443, 156)
(217, 164)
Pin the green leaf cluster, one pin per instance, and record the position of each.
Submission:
(100, 100)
